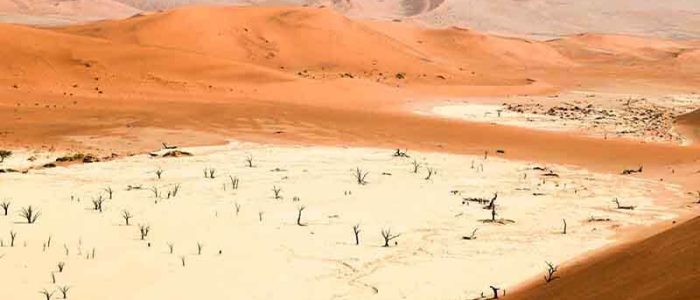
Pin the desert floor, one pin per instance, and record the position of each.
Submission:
(258, 251)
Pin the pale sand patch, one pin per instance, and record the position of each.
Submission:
(275, 258)
(597, 114)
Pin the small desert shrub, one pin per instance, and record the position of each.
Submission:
(551, 269)
(416, 166)
(159, 173)
(5, 206)
(238, 208)
(4, 154)
(144, 229)
(472, 236)
(431, 171)
(171, 246)
(48, 295)
(30, 214)
(360, 176)
(388, 236)
(60, 266)
(200, 246)
(356, 231)
(276, 190)
(126, 215)
(400, 153)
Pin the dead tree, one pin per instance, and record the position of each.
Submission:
(5, 206)
(300, 209)
(360, 176)
(492, 203)
(564, 231)
(154, 190)
(48, 295)
(495, 291)
(144, 229)
(97, 203)
(200, 246)
(260, 215)
(60, 266)
(551, 269)
(471, 237)
(249, 161)
(356, 230)
(127, 216)
(64, 291)
(238, 208)
(209, 173)
(627, 207)
(4, 154)
(431, 171)
(109, 191)
(388, 236)
(29, 214)
(159, 173)
(234, 182)
(276, 190)
(416, 166)
(13, 235)
(632, 171)
(493, 213)
(171, 247)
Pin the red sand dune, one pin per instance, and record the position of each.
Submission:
(244, 61)
(664, 266)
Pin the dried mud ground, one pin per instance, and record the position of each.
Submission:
(253, 248)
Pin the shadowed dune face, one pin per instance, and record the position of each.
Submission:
(689, 124)
(634, 271)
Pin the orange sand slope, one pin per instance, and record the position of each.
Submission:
(665, 266)
(314, 75)
(257, 62)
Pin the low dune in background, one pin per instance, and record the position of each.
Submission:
(55, 12)
(314, 76)
(666, 19)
